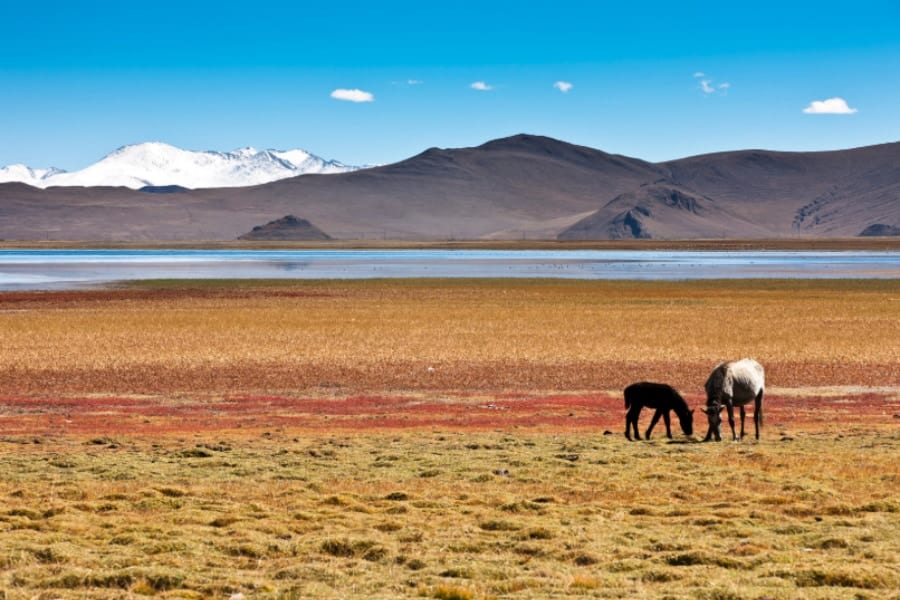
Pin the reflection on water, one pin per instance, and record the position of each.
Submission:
(37, 269)
(291, 266)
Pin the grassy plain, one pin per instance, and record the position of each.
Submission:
(443, 439)
(221, 336)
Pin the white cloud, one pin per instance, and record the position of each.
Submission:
(563, 86)
(414, 82)
(709, 86)
(352, 95)
(481, 86)
(832, 106)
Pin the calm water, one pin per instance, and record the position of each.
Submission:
(37, 269)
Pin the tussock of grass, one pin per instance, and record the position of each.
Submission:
(719, 595)
(344, 548)
(498, 525)
(886, 506)
(585, 560)
(195, 453)
(841, 577)
(585, 582)
(539, 533)
(447, 592)
(457, 573)
(224, 521)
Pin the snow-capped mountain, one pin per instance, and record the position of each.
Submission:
(27, 175)
(158, 164)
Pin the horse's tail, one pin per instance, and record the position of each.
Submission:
(628, 397)
(760, 398)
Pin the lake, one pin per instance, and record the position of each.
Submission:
(56, 269)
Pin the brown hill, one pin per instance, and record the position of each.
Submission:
(288, 228)
(880, 230)
(522, 186)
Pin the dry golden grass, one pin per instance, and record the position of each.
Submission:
(447, 514)
(454, 335)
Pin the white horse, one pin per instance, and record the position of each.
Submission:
(733, 383)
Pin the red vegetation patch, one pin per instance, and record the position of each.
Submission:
(857, 408)
(72, 298)
(600, 411)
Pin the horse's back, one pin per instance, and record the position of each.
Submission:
(634, 393)
(740, 379)
(651, 395)
(749, 374)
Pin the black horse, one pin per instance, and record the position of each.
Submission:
(663, 398)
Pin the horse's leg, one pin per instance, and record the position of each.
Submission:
(668, 424)
(743, 415)
(653, 421)
(731, 419)
(631, 420)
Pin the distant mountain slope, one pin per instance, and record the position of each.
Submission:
(661, 211)
(155, 164)
(521, 186)
(467, 192)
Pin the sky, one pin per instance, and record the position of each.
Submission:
(376, 82)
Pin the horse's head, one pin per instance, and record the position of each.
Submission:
(714, 414)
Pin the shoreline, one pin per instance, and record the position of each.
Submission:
(881, 243)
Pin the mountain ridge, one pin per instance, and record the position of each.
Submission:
(157, 164)
(523, 186)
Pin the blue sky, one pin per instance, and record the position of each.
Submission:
(655, 80)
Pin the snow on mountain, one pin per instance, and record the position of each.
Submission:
(159, 164)
(24, 174)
